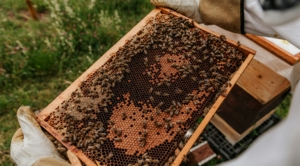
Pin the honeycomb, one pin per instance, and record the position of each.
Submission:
(136, 108)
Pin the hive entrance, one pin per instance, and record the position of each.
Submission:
(144, 99)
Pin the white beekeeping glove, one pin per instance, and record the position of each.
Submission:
(189, 8)
(29, 143)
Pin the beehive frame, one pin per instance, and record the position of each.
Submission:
(107, 56)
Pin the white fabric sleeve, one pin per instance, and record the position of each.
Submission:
(277, 147)
(254, 24)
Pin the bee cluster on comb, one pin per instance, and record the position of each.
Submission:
(136, 108)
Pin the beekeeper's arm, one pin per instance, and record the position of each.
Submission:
(30, 146)
(239, 16)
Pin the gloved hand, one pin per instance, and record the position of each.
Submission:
(29, 143)
(189, 8)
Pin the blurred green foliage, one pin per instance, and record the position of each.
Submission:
(39, 59)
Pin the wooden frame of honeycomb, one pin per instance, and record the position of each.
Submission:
(184, 65)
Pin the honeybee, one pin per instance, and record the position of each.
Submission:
(144, 124)
(169, 60)
(176, 111)
(224, 94)
(110, 155)
(157, 58)
(194, 78)
(168, 119)
(118, 139)
(145, 155)
(151, 99)
(228, 64)
(185, 101)
(180, 145)
(144, 110)
(188, 98)
(158, 93)
(168, 84)
(199, 61)
(98, 146)
(142, 144)
(141, 139)
(151, 117)
(74, 137)
(183, 76)
(145, 132)
(171, 113)
(171, 125)
(114, 129)
(165, 94)
(179, 131)
(179, 122)
(146, 61)
(171, 159)
(223, 37)
(179, 104)
(210, 89)
(205, 52)
(64, 139)
(140, 161)
(105, 109)
(185, 159)
(119, 132)
(173, 102)
(157, 111)
(220, 56)
(149, 73)
(155, 161)
(160, 104)
(158, 124)
(61, 149)
(228, 83)
(151, 90)
(160, 83)
(178, 91)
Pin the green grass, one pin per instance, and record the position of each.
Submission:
(39, 59)
(283, 108)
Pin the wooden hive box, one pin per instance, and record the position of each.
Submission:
(137, 101)
(255, 96)
(252, 101)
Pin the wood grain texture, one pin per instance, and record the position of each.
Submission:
(261, 82)
(279, 52)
